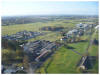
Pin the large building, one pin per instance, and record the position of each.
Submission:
(37, 49)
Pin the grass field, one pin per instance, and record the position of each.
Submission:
(51, 36)
(93, 50)
(12, 29)
(65, 60)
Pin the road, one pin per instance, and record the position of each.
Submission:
(91, 42)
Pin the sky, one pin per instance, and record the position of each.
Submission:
(29, 7)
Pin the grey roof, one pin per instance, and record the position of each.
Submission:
(97, 27)
(38, 47)
(79, 25)
(31, 46)
(23, 35)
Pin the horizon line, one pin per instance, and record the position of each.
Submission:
(52, 15)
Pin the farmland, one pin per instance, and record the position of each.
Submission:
(63, 60)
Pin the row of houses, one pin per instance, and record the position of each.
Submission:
(79, 30)
(23, 35)
(39, 49)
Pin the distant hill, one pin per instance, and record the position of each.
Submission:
(11, 20)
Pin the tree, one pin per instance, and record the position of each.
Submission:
(4, 43)
(8, 56)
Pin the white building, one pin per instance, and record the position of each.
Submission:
(97, 27)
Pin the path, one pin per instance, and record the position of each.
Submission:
(76, 52)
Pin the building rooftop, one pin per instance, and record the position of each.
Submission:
(38, 47)
(23, 35)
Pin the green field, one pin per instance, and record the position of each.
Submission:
(12, 29)
(63, 60)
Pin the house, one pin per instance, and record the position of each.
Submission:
(72, 33)
(86, 27)
(79, 25)
(97, 27)
(69, 34)
(38, 48)
(23, 35)
(75, 31)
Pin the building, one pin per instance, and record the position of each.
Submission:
(97, 27)
(38, 49)
(23, 35)
(79, 25)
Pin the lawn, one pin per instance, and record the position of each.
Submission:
(12, 29)
(64, 60)
(50, 36)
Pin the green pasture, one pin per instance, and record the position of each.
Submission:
(64, 60)
(12, 29)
